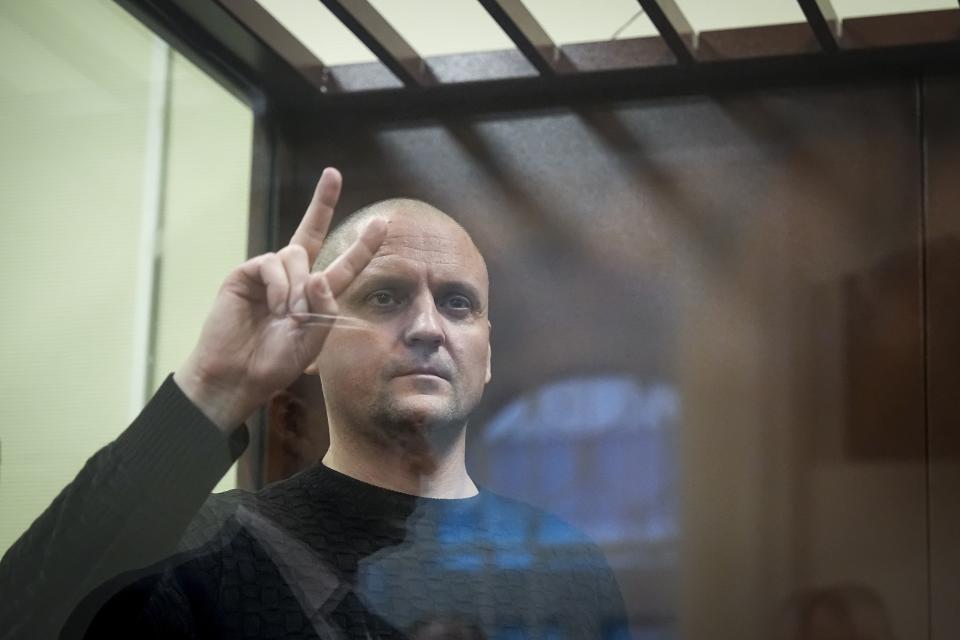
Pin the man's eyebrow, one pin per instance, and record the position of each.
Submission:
(366, 281)
(374, 276)
(469, 288)
(370, 278)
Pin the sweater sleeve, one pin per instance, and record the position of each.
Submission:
(125, 510)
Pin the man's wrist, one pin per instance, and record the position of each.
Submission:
(226, 406)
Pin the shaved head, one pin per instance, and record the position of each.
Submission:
(347, 230)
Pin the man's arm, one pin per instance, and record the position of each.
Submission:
(133, 499)
(126, 509)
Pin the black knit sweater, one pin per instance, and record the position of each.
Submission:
(135, 547)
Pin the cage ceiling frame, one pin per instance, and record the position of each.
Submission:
(250, 53)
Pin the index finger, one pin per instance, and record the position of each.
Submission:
(313, 227)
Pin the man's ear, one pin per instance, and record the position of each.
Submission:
(489, 370)
(284, 414)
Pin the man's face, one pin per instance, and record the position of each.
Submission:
(426, 359)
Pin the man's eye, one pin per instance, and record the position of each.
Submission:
(382, 299)
(458, 303)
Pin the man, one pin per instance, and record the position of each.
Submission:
(388, 538)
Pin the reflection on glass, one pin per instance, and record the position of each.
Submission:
(600, 452)
(841, 612)
(387, 536)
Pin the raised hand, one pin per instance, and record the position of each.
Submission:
(253, 342)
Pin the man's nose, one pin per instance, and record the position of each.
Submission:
(426, 324)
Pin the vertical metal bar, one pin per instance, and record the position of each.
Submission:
(151, 222)
(383, 40)
(924, 242)
(532, 41)
(824, 22)
(669, 20)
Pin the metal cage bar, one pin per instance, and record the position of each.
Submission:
(383, 40)
(533, 42)
(258, 20)
(266, 78)
(669, 20)
(824, 22)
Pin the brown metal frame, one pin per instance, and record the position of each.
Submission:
(250, 53)
(373, 30)
(673, 27)
(526, 33)
(823, 20)
(258, 20)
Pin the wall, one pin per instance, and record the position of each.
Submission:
(75, 123)
(205, 211)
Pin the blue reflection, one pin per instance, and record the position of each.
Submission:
(598, 451)
(511, 633)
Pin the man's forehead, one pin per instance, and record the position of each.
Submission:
(417, 224)
(431, 239)
(435, 263)
(400, 239)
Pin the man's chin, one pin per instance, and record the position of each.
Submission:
(424, 409)
(419, 424)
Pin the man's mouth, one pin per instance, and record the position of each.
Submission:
(425, 370)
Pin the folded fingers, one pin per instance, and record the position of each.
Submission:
(351, 262)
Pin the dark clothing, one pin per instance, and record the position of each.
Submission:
(319, 555)
(126, 509)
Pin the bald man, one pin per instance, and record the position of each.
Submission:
(402, 389)
(387, 537)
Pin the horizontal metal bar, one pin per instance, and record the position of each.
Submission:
(898, 45)
(736, 74)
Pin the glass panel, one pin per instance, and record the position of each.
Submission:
(441, 27)
(715, 358)
(319, 31)
(75, 172)
(206, 208)
(751, 259)
(74, 131)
